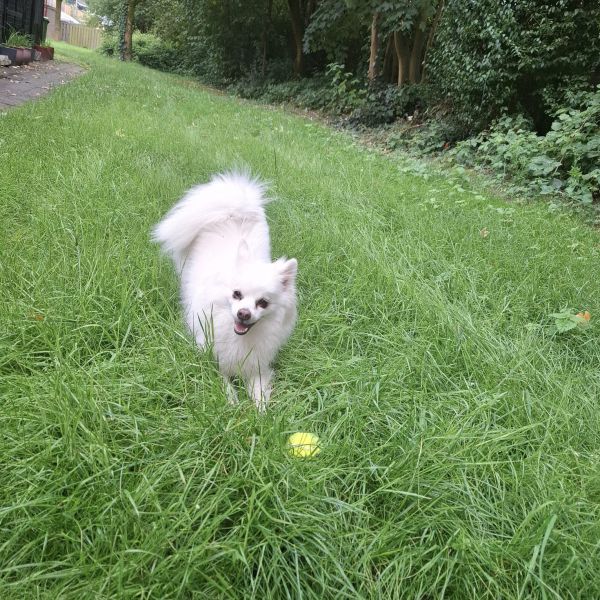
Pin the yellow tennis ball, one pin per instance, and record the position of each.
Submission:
(304, 444)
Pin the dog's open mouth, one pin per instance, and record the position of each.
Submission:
(241, 328)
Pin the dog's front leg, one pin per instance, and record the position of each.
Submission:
(230, 390)
(259, 389)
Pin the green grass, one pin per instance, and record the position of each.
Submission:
(461, 437)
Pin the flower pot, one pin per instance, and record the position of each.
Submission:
(18, 55)
(47, 52)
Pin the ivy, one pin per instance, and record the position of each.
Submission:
(122, 27)
(492, 58)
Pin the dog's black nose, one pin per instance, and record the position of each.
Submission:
(243, 314)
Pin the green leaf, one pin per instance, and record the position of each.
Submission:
(567, 321)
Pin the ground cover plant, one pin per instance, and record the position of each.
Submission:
(566, 160)
(439, 356)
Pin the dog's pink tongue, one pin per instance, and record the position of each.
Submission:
(240, 327)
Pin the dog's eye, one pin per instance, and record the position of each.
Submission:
(262, 303)
(237, 295)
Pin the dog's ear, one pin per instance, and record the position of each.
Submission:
(243, 251)
(287, 271)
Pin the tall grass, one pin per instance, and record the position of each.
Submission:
(460, 436)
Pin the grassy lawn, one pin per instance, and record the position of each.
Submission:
(461, 437)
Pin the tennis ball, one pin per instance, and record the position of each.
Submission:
(304, 444)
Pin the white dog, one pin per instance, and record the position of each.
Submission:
(233, 296)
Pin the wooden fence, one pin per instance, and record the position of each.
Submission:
(80, 35)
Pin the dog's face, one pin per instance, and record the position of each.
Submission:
(259, 290)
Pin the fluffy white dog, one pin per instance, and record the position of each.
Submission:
(234, 298)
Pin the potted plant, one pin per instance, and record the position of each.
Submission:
(45, 49)
(18, 48)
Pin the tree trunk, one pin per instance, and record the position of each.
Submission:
(402, 52)
(395, 69)
(374, 47)
(57, 28)
(297, 19)
(416, 56)
(127, 52)
(265, 38)
(388, 61)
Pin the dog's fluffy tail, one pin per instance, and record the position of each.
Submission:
(228, 195)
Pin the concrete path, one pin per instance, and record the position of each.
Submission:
(28, 82)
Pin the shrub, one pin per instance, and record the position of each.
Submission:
(338, 91)
(315, 94)
(384, 103)
(566, 160)
(492, 58)
(423, 138)
(277, 93)
(312, 93)
(147, 49)
(153, 52)
(574, 142)
(343, 91)
(110, 43)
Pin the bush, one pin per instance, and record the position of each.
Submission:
(152, 52)
(493, 58)
(566, 160)
(277, 93)
(316, 94)
(345, 91)
(384, 103)
(338, 92)
(312, 93)
(148, 50)
(110, 43)
(423, 137)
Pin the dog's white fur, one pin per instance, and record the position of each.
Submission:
(218, 238)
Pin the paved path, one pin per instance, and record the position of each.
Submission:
(28, 82)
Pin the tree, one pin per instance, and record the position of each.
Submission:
(403, 28)
(374, 49)
(57, 27)
(409, 27)
(265, 37)
(338, 28)
(228, 39)
(300, 13)
(124, 14)
(127, 29)
(108, 10)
